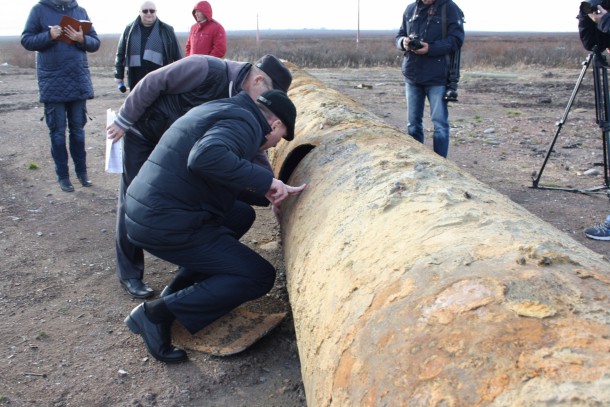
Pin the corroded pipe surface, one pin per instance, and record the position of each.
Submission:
(414, 284)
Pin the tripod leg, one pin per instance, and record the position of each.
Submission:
(563, 119)
(602, 108)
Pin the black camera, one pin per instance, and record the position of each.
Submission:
(590, 6)
(451, 95)
(415, 43)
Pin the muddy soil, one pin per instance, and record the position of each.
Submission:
(61, 307)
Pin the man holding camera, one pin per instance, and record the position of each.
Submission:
(593, 29)
(431, 31)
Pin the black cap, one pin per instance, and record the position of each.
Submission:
(281, 105)
(277, 71)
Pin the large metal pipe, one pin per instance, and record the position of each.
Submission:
(412, 283)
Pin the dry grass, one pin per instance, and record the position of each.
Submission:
(334, 49)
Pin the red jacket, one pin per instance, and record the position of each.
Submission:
(207, 38)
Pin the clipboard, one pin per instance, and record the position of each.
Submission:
(74, 23)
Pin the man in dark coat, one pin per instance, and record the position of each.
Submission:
(182, 207)
(159, 99)
(594, 31)
(147, 44)
(430, 31)
(64, 81)
(594, 27)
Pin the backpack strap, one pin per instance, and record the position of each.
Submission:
(444, 19)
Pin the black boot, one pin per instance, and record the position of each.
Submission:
(157, 337)
(66, 185)
(137, 288)
(84, 180)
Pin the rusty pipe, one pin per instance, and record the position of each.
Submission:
(412, 283)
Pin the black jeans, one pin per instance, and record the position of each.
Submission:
(130, 258)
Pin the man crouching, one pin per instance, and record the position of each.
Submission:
(182, 208)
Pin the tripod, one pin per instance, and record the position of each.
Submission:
(602, 112)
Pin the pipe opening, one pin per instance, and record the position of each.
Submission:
(292, 161)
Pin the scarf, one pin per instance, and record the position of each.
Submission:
(153, 51)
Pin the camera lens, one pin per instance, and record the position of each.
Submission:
(590, 6)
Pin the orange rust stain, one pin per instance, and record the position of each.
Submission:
(493, 387)
(343, 373)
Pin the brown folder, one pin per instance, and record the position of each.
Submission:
(74, 23)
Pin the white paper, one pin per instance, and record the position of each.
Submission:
(114, 151)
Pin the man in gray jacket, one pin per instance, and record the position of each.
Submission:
(181, 208)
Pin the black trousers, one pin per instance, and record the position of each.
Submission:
(130, 258)
(224, 272)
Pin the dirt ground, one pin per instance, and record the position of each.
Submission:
(61, 307)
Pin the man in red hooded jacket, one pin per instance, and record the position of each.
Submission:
(207, 36)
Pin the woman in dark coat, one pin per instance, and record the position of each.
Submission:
(64, 81)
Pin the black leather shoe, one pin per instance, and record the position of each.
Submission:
(166, 291)
(84, 180)
(157, 337)
(66, 185)
(137, 288)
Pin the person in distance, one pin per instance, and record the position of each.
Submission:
(430, 32)
(146, 44)
(207, 36)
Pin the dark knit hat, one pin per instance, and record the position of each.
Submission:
(277, 71)
(281, 105)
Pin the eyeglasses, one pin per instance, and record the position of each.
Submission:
(149, 11)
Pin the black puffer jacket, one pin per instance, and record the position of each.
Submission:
(195, 173)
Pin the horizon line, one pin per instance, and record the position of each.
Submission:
(347, 30)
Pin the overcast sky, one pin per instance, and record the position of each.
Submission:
(111, 16)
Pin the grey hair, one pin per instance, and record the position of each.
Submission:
(254, 71)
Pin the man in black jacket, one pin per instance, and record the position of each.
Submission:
(181, 208)
(159, 99)
(430, 32)
(147, 44)
(593, 29)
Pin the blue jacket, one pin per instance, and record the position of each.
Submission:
(63, 70)
(425, 22)
(195, 173)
